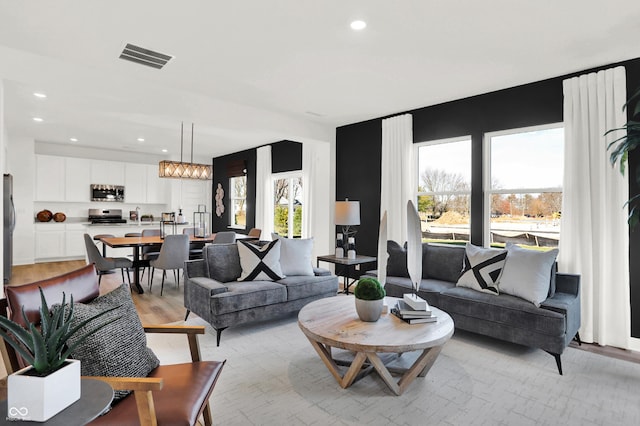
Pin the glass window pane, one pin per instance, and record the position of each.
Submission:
(526, 219)
(239, 216)
(238, 201)
(528, 160)
(445, 166)
(444, 185)
(445, 218)
(287, 201)
(524, 164)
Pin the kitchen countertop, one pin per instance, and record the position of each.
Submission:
(84, 221)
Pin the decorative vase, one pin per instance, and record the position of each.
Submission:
(40, 398)
(369, 310)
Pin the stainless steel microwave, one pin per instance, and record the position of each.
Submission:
(107, 193)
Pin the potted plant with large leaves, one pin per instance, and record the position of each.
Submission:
(623, 145)
(52, 381)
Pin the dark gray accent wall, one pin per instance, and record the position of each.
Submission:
(220, 177)
(285, 156)
(359, 147)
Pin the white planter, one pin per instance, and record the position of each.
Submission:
(369, 310)
(40, 398)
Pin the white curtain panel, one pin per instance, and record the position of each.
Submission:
(264, 192)
(308, 187)
(398, 176)
(316, 197)
(594, 239)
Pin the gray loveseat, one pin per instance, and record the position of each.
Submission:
(550, 327)
(212, 291)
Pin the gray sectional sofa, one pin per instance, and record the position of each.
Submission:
(213, 292)
(550, 327)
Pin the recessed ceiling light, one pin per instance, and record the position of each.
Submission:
(73, 139)
(358, 25)
(140, 139)
(39, 95)
(165, 150)
(38, 119)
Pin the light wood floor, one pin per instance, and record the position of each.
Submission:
(156, 309)
(152, 308)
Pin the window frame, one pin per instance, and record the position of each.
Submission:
(233, 199)
(416, 172)
(294, 174)
(486, 178)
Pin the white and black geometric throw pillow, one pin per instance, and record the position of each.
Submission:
(482, 268)
(260, 263)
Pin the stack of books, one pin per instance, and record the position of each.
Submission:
(413, 316)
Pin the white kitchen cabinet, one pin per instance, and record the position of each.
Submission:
(50, 178)
(74, 240)
(107, 172)
(156, 187)
(135, 183)
(56, 241)
(77, 179)
(50, 241)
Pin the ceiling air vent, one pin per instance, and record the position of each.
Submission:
(143, 56)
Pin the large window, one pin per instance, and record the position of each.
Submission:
(287, 200)
(523, 186)
(238, 216)
(444, 189)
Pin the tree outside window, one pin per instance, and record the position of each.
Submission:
(523, 201)
(444, 189)
(287, 201)
(238, 200)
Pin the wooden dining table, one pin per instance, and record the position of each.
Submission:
(137, 242)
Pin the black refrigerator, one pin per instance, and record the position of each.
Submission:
(9, 225)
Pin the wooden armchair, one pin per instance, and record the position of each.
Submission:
(170, 394)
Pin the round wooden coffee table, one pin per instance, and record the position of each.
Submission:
(333, 323)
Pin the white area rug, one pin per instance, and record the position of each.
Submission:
(274, 377)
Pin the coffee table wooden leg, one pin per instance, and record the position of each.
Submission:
(377, 363)
(432, 355)
(325, 355)
(419, 368)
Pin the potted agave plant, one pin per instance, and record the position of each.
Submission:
(52, 381)
(369, 295)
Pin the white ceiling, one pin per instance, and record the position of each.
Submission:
(253, 72)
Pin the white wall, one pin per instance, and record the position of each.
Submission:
(188, 194)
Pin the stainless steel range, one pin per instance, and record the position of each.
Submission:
(106, 216)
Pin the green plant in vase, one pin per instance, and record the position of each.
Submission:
(369, 295)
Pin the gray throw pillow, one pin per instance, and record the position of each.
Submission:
(443, 261)
(295, 256)
(482, 268)
(527, 273)
(397, 261)
(552, 284)
(223, 262)
(118, 349)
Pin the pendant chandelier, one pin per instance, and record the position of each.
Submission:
(183, 170)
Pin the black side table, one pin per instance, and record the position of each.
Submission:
(95, 397)
(350, 264)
